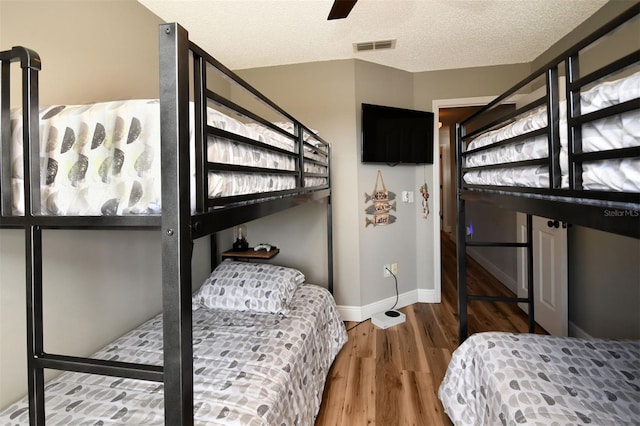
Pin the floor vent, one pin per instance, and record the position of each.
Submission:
(374, 45)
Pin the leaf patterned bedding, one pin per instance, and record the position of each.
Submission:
(620, 131)
(249, 369)
(104, 159)
(499, 378)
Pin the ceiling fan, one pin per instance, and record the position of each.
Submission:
(341, 9)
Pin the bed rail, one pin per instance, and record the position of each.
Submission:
(309, 178)
(609, 210)
(301, 135)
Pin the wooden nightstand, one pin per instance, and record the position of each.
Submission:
(250, 253)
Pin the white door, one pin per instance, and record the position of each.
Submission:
(549, 273)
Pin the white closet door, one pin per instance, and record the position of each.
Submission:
(549, 273)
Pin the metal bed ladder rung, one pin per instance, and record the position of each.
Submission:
(463, 295)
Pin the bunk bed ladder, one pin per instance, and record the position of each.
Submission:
(461, 247)
(463, 294)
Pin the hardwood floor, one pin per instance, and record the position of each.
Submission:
(391, 377)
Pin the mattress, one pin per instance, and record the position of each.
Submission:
(249, 369)
(620, 131)
(504, 378)
(104, 159)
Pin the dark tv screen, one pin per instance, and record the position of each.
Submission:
(396, 135)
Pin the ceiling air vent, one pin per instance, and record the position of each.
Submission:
(374, 45)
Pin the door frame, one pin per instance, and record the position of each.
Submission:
(435, 107)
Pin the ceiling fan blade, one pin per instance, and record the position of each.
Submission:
(341, 9)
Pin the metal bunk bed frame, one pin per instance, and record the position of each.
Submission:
(179, 227)
(572, 205)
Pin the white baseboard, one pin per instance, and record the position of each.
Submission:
(505, 279)
(575, 331)
(361, 313)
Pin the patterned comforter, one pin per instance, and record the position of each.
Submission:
(104, 159)
(249, 369)
(508, 379)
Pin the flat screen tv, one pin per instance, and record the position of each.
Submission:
(396, 135)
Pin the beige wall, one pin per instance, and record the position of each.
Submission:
(320, 95)
(466, 82)
(604, 284)
(394, 243)
(90, 51)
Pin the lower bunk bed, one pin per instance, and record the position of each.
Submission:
(506, 378)
(264, 341)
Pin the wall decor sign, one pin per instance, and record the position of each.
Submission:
(424, 190)
(382, 202)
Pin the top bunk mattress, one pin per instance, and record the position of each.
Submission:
(104, 159)
(620, 131)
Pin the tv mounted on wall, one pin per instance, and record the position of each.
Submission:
(396, 135)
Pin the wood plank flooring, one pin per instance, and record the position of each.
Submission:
(391, 377)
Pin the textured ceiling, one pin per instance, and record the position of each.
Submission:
(430, 34)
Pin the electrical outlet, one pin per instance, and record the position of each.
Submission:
(394, 268)
(386, 270)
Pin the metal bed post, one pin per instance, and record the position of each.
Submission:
(553, 127)
(35, 338)
(5, 133)
(329, 226)
(574, 139)
(176, 229)
(30, 64)
(297, 130)
(461, 241)
(530, 296)
(461, 249)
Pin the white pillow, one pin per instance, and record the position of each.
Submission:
(242, 286)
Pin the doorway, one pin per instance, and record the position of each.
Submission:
(447, 119)
(493, 223)
(439, 106)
